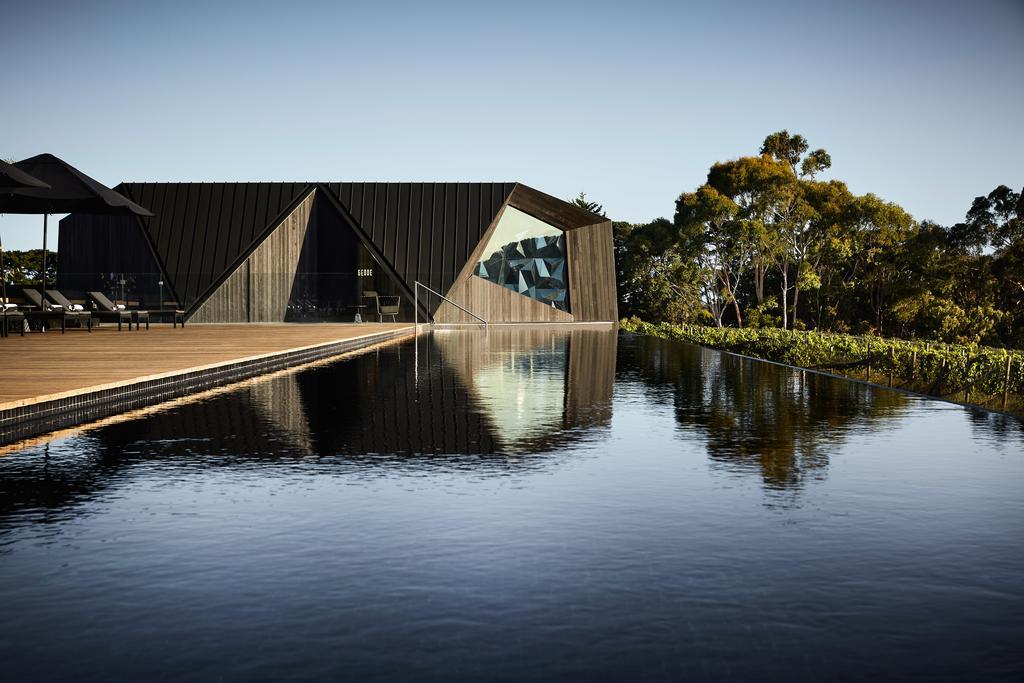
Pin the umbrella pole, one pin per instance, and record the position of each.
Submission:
(42, 275)
(3, 273)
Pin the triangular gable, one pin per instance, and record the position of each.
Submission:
(423, 231)
(195, 259)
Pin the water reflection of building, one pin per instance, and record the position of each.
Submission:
(536, 387)
(757, 417)
(506, 391)
(474, 392)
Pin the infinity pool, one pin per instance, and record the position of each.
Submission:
(520, 504)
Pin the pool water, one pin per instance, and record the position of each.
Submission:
(520, 504)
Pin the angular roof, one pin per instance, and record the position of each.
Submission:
(424, 231)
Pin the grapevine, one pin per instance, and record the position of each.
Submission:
(975, 373)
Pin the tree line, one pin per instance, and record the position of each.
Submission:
(23, 267)
(765, 242)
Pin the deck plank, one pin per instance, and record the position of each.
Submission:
(50, 363)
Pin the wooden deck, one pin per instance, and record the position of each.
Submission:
(41, 367)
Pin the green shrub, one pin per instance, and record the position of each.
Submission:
(932, 367)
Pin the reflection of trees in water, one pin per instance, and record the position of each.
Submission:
(988, 425)
(757, 417)
(362, 416)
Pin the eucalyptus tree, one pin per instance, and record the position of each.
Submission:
(884, 229)
(755, 185)
(994, 231)
(656, 281)
(804, 211)
(785, 148)
(797, 212)
(998, 217)
(790, 150)
(817, 232)
(712, 233)
(839, 261)
(771, 197)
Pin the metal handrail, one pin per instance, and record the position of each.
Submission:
(416, 305)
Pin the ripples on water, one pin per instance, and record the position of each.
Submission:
(529, 504)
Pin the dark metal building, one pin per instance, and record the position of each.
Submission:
(275, 252)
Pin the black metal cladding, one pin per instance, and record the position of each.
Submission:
(203, 231)
(424, 231)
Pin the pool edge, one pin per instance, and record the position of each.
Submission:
(26, 418)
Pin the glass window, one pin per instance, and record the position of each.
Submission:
(527, 255)
(338, 278)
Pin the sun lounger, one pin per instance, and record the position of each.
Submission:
(10, 316)
(44, 311)
(105, 311)
(107, 308)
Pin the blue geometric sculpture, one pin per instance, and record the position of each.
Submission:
(533, 267)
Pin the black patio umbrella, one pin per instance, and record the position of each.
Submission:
(69, 191)
(13, 178)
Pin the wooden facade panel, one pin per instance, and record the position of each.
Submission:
(552, 210)
(592, 290)
(272, 266)
(494, 304)
(591, 374)
(230, 303)
(592, 294)
(259, 289)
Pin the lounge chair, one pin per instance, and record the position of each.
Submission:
(8, 316)
(105, 309)
(57, 298)
(44, 311)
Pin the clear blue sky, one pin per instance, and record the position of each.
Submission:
(919, 102)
